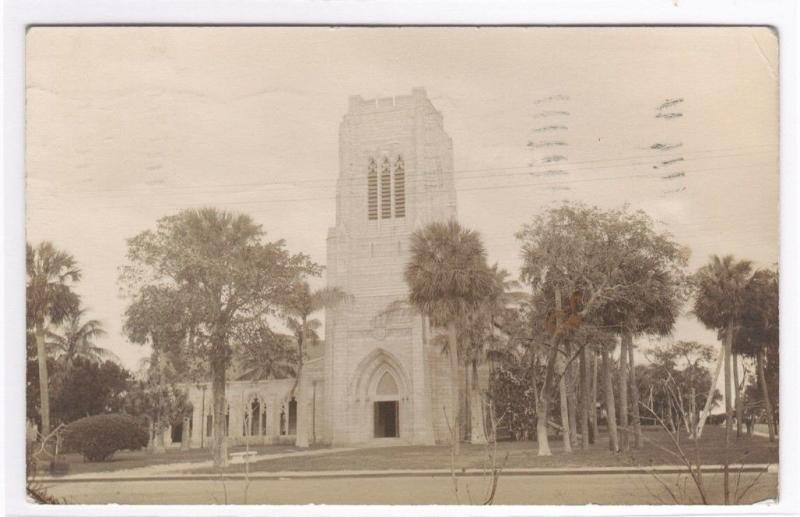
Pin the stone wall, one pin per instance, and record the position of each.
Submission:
(367, 258)
(274, 398)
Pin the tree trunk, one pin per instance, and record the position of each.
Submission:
(565, 430)
(220, 442)
(611, 417)
(625, 342)
(158, 442)
(467, 407)
(737, 398)
(454, 398)
(693, 411)
(593, 401)
(711, 389)
(543, 400)
(670, 418)
(762, 380)
(185, 435)
(481, 433)
(300, 435)
(543, 443)
(44, 395)
(637, 421)
(572, 402)
(728, 416)
(151, 437)
(585, 395)
(727, 380)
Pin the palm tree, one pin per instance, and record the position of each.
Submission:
(269, 355)
(298, 307)
(481, 332)
(77, 340)
(448, 279)
(718, 305)
(759, 331)
(49, 299)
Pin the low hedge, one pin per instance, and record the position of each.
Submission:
(98, 437)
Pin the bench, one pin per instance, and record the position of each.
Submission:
(238, 457)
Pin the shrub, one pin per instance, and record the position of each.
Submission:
(97, 437)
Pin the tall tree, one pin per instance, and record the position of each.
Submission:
(51, 275)
(480, 333)
(77, 340)
(595, 259)
(215, 273)
(720, 287)
(656, 288)
(611, 412)
(448, 279)
(759, 331)
(299, 305)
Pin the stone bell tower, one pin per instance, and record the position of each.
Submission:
(383, 378)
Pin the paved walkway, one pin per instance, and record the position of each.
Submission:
(146, 474)
(514, 489)
(761, 430)
(169, 470)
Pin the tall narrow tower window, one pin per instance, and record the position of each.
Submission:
(399, 188)
(386, 190)
(372, 190)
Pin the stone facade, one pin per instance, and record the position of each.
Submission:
(259, 412)
(396, 175)
(379, 378)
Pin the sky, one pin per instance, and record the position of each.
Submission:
(127, 125)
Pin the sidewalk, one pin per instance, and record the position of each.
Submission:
(164, 470)
(761, 430)
(285, 475)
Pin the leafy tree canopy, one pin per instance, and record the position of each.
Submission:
(447, 275)
(87, 388)
(759, 323)
(76, 338)
(719, 287)
(611, 267)
(51, 274)
(202, 274)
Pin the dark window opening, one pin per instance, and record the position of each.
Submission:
(255, 417)
(387, 419)
(399, 188)
(209, 424)
(372, 190)
(292, 416)
(176, 433)
(386, 190)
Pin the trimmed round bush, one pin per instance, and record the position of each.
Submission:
(98, 437)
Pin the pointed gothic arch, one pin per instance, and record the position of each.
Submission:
(372, 190)
(370, 371)
(399, 187)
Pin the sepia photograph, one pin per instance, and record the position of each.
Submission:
(407, 265)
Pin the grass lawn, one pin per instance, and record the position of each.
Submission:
(523, 454)
(122, 460)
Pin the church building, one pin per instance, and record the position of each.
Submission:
(378, 378)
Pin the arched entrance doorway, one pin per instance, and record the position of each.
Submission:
(380, 404)
(386, 418)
